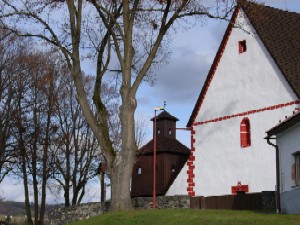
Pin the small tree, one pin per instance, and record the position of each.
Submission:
(75, 154)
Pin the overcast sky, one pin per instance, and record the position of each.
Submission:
(179, 83)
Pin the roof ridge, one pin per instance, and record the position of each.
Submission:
(262, 4)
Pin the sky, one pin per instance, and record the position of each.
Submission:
(178, 83)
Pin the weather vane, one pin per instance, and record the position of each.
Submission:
(165, 104)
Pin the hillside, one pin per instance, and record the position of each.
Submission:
(17, 208)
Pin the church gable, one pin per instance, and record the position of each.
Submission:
(244, 76)
(246, 91)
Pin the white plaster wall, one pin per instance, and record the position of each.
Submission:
(179, 186)
(288, 143)
(222, 163)
(241, 83)
(246, 81)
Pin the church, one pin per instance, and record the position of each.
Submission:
(254, 82)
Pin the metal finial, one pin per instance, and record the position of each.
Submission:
(165, 104)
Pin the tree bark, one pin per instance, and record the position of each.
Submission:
(102, 183)
(122, 169)
(25, 182)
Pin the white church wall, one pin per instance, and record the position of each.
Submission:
(242, 82)
(179, 185)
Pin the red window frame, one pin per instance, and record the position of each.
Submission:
(245, 132)
(242, 46)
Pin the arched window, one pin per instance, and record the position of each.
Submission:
(170, 131)
(139, 171)
(245, 133)
(158, 131)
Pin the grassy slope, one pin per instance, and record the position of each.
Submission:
(190, 217)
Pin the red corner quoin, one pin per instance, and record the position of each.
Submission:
(191, 166)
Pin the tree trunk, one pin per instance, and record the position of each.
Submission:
(67, 178)
(120, 186)
(103, 191)
(25, 183)
(122, 170)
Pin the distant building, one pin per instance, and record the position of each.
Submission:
(171, 157)
(254, 81)
(287, 134)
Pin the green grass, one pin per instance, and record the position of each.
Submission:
(190, 217)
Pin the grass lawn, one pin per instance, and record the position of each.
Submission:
(190, 217)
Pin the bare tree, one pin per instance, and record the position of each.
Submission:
(34, 116)
(9, 46)
(75, 153)
(134, 32)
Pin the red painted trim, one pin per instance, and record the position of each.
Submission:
(213, 68)
(191, 193)
(269, 108)
(242, 46)
(245, 132)
(191, 184)
(239, 188)
(189, 180)
(192, 158)
(190, 189)
(191, 166)
(191, 176)
(189, 172)
(190, 163)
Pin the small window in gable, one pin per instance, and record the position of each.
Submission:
(158, 131)
(245, 133)
(139, 171)
(170, 131)
(242, 46)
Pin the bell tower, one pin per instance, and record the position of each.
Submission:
(165, 125)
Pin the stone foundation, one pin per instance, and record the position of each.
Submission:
(62, 215)
(162, 202)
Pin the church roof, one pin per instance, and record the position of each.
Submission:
(279, 31)
(167, 145)
(164, 115)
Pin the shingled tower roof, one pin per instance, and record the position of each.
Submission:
(165, 145)
(165, 115)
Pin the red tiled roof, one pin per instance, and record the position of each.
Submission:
(165, 145)
(279, 31)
